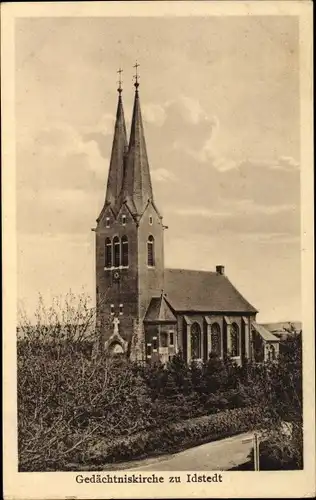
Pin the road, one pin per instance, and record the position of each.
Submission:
(217, 455)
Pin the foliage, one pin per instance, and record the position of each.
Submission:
(174, 436)
(66, 397)
(78, 407)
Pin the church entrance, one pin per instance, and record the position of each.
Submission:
(116, 348)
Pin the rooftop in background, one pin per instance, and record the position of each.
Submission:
(280, 326)
(283, 329)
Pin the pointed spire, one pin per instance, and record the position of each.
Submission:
(119, 149)
(137, 188)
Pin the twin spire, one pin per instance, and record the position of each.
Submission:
(129, 176)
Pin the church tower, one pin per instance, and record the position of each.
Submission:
(129, 240)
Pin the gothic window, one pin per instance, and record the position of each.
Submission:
(216, 339)
(124, 244)
(235, 340)
(108, 253)
(273, 353)
(112, 309)
(123, 220)
(121, 309)
(196, 341)
(150, 220)
(164, 339)
(171, 338)
(116, 251)
(107, 222)
(151, 251)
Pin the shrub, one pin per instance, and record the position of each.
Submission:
(74, 406)
(177, 436)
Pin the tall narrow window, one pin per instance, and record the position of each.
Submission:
(271, 353)
(171, 338)
(151, 251)
(121, 309)
(196, 341)
(124, 246)
(116, 251)
(112, 309)
(107, 222)
(123, 220)
(163, 339)
(148, 350)
(216, 339)
(235, 340)
(108, 253)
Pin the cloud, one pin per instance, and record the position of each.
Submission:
(199, 212)
(233, 209)
(273, 238)
(248, 206)
(191, 109)
(286, 163)
(162, 175)
(224, 164)
(104, 125)
(60, 181)
(154, 113)
(59, 156)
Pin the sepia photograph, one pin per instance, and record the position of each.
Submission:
(158, 231)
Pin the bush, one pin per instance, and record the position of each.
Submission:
(74, 406)
(177, 436)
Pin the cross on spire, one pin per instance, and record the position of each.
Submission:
(136, 76)
(120, 71)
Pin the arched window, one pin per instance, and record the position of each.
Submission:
(216, 339)
(124, 251)
(151, 251)
(196, 341)
(273, 356)
(116, 348)
(108, 253)
(116, 251)
(271, 353)
(235, 340)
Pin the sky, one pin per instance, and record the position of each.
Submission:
(220, 105)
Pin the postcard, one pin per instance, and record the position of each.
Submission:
(158, 250)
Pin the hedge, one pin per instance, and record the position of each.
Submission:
(175, 437)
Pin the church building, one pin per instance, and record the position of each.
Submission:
(145, 310)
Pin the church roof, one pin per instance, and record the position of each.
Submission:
(264, 333)
(119, 149)
(203, 291)
(159, 311)
(137, 187)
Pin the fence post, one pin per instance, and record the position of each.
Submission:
(256, 452)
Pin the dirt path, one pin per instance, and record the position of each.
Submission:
(217, 455)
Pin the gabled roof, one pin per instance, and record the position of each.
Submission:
(137, 187)
(203, 291)
(159, 311)
(264, 333)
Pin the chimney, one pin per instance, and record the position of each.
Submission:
(220, 270)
